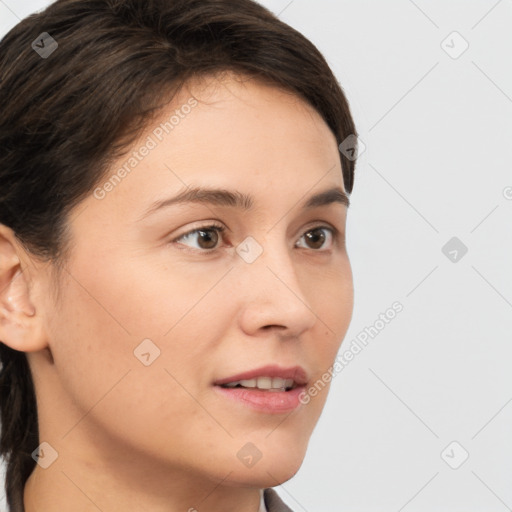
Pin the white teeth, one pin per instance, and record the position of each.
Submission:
(266, 383)
(277, 382)
(248, 383)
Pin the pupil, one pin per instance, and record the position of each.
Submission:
(320, 236)
(204, 236)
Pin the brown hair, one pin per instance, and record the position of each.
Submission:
(66, 111)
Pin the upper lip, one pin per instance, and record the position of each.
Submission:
(297, 373)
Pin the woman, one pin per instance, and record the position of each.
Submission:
(173, 274)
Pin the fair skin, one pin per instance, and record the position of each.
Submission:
(160, 438)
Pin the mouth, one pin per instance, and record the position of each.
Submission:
(265, 383)
(270, 389)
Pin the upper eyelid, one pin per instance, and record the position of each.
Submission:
(213, 225)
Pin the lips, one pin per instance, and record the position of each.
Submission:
(267, 377)
(289, 384)
(263, 401)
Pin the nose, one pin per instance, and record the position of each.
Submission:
(271, 294)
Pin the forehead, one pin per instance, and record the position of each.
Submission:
(225, 132)
(245, 126)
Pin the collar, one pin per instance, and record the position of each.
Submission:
(262, 508)
(273, 502)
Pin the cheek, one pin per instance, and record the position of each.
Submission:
(90, 347)
(113, 394)
(332, 300)
(152, 298)
(104, 316)
(333, 303)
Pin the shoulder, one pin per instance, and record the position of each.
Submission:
(273, 502)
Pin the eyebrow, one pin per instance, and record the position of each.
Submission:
(239, 200)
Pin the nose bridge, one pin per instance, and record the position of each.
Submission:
(269, 261)
(271, 286)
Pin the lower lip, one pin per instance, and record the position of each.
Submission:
(272, 402)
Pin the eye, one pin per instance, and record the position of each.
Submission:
(316, 237)
(207, 239)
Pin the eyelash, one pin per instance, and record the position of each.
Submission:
(335, 233)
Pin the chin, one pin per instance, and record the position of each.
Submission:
(265, 477)
(268, 471)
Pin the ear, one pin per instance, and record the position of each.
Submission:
(21, 326)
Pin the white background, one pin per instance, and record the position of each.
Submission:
(437, 164)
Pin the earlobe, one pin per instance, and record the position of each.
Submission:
(20, 326)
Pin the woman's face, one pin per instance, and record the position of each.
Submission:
(152, 314)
